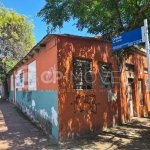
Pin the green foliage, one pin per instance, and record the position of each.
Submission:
(104, 17)
(9, 64)
(123, 54)
(16, 38)
(107, 18)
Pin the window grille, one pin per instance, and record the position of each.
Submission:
(82, 73)
(129, 67)
(146, 70)
(105, 75)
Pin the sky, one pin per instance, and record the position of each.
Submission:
(30, 9)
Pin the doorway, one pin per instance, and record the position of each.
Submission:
(130, 96)
(140, 89)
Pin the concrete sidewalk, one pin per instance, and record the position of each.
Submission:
(17, 132)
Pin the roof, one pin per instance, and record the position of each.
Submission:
(35, 49)
(98, 38)
(47, 38)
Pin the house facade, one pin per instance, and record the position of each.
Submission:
(70, 85)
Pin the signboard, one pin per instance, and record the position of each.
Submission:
(32, 76)
(127, 39)
(134, 37)
(20, 79)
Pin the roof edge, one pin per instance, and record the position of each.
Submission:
(40, 44)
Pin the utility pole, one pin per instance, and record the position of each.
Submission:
(147, 50)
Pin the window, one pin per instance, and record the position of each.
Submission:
(20, 79)
(129, 67)
(82, 73)
(105, 75)
(32, 76)
(145, 70)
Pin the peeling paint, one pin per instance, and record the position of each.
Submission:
(41, 108)
(111, 96)
(33, 104)
(43, 113)
(116, 115)
(54, 116)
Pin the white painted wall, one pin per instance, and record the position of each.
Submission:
(19, 79)
(32, 76)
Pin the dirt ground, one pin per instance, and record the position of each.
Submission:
(132, 136)
(17, 132)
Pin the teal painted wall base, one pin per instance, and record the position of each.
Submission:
(11, 96)
(41, 107)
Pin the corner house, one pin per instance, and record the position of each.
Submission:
(71, 85)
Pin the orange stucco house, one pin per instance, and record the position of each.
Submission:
(71, 85)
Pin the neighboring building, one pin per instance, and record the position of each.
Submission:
(2, 94)
(1, 87)
(70, 85)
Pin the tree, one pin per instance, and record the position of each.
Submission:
(16, 38)
(105, 17)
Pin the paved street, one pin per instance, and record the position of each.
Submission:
(17, 132)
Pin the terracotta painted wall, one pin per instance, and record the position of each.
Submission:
(41, 104)
(46, 62)
(72, 123)
(139, 62)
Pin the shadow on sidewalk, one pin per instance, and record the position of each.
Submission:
(18, 132)
(134, 135)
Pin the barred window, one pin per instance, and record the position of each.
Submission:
(129, 67)
(105, 75)
(146, 70)
(82, 73)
